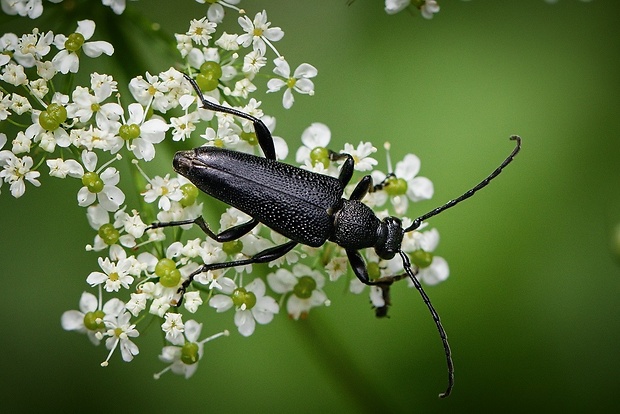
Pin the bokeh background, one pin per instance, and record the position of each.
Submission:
(531, 305)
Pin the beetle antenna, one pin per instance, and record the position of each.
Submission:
(417, 222)
(442, 331)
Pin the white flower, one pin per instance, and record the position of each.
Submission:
(173, 327)
(253, 62)
(304, 285)
(186, 351)
(258, 33)
(317, 135)
(165, 188)
(84, 105)
(16, 170)
(119, 330)
(141, 135)
(109, 234)
(89, 318)
(150, 91)
(60, 168)
(114, 275)
(67, 59)
(5, 104)
(100, 186)
(361, 155)
(32, 47)
(251, 304)
(300, 81)
(403, 185)
(30, 8)
(200, 31)
(14, 75)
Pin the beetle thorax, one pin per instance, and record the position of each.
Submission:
(355, 226)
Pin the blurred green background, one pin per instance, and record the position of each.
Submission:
(531, 305)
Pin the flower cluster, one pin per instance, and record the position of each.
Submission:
(83, 133)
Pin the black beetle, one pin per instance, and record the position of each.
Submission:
(306, 207)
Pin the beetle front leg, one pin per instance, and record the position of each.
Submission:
(384, 283)
(230, 234)
(346, 171)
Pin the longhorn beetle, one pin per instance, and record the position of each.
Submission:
(306, 207)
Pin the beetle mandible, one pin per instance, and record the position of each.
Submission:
(306, 207)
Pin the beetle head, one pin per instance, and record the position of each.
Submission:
(390, 237)
(182, 162)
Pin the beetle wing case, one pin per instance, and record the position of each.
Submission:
(296, 203)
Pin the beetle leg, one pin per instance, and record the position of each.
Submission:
(346, 171)
(361, 188)
(384, 283)
(265, 140)
(232, 233)
(264, 256)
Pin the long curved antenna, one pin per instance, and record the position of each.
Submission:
(417, 222)
(442, 332)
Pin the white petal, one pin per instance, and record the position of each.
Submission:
(274, 85)
(88, 302)
(408, 167)
(245, 322)
(282, 68)
(305, 70)
(94, 49)
(274, 34)
(111, 198)
(72, 320)
(288, 99)
(437, 272)
(221, 303)
(85, 197)
(305, 86)
(96, 278)
(136, 113)
(110, 176)
(420, 188)
(90, 160)
(257, 286)
(86, 28)
(66, 62)
(192, 330)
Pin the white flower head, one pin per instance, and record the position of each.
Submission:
(16, 171)
(119, 330)
(67, 59)
(186, 351)
(250, 302)
(304, 287)
(142, 134)
(98, 185)
(114, 275)
(89, 318)
(258, 33)
(299, 82)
